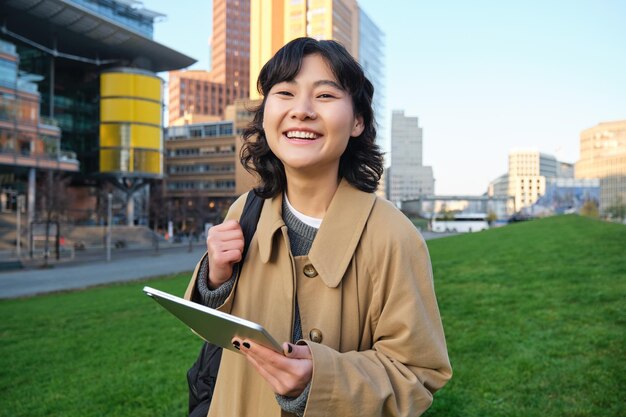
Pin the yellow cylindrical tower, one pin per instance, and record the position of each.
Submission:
(131, 125)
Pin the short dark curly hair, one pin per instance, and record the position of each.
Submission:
(361, 164)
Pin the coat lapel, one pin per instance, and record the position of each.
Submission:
(340, 232)
(270, 222)
(337, 238)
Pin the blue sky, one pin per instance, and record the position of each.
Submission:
(484, 77)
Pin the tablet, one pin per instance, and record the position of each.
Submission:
(212, 325)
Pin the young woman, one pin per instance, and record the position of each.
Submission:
(338, 274)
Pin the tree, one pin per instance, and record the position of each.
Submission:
(54, 201)
(590, 209)
(158, 206)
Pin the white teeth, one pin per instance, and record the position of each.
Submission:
(298, 134)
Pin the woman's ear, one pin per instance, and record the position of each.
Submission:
(358, 127)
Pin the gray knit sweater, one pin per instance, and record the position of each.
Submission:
(301, 238)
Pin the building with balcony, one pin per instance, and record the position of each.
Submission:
(28, 141)
(86, 100)
(204, 175)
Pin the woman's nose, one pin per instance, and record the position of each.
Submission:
(303, 111)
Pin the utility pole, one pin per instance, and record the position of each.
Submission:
(18, 240)
(109, 220)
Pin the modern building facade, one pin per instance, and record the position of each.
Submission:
(565, 195)
(499, 187)
(274, 23)
(131, 123)
(603, 156)
(408, 178)
(565, 170)
(93, 65)
(539, 185)
(201, 160)
(28, 141)
(372, 58)
(198, 96)
(528, 171)
(204, 175)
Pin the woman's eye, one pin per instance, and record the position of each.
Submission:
(326, 95)
(283, 93)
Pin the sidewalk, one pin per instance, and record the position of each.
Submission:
(92, 269)
(77, 275)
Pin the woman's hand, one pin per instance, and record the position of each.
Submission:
(288, 374)
(224, 246)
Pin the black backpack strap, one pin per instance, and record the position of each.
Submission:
(249, 220)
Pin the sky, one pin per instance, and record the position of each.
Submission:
(483, 77)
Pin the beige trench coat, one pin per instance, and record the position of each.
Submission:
(371, 308)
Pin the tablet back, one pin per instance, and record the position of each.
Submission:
(212, 325)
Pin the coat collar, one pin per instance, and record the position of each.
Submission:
(337, 238)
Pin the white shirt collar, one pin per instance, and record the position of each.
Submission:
(308, 220)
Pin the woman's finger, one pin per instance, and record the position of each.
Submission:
(297, 351)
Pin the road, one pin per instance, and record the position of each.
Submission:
(90, 268)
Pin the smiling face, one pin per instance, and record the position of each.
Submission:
(309, 120)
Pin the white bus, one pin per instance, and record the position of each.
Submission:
(461, 223)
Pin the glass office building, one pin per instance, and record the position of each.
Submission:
(28, 141)
(65, 55)
(372, 59)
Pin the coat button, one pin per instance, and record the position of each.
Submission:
(309, 271)
(315, 335)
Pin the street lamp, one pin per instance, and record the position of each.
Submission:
(109, 219)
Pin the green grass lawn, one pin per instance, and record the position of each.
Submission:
(533, 315)
(534, 319)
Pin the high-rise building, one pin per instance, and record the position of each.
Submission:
(408, 178)
(603, 156)
(92, 81)
(372, 59)
(230, 44)
(528, 170)
(274, 23)
(200, 96)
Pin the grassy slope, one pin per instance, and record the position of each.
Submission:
(534, 318)
(109, 351)
(533, 315)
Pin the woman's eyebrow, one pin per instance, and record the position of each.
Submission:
(317, 83)
(330, 83)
